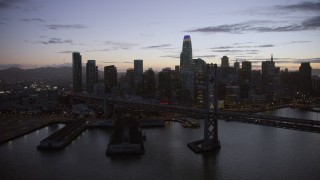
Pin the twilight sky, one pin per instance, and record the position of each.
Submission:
(37, 33)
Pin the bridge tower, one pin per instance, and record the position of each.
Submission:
(210, 140)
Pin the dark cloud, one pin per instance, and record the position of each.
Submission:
(119, 45)
(311, 60)
(157, 46)
(56, 41)
(206, 56)
(66, 26)
(170, 56)
(303, 6)
(124, 45)
(236, 51)
(97, 50)
(312, 23)
(32, 20)
(266, 45)
(223, 47)
(296, 42)
(7, 4)
(66, 52)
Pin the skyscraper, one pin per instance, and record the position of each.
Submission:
(76, 72)
(305, 82)
(186, 70)
(225, 61)
(165, 83)
(110, 78)
(91, 73)
(269, 79)
(186, 54)
(236, 65)
(246, 71)
(129, 81)
(138, 73)
(199, 70)
(149, 83)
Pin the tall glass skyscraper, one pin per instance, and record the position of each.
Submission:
(76, 72)
(186, 70)
(138, 73)
(91, 75)
(186, 54)
(110, 78)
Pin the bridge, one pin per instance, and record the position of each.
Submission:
(210, 114)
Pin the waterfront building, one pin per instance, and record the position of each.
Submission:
(199, 70)
(110, 78)
(232, 95)
(91, 73)
(76, 72)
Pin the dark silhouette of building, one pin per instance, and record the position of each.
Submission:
(270, 79)
(129, 81)
(138, 73)
(165, 83)
(305, 82)
(245, 73)
(236, 65)
(110, 78)
(149, 83)
(91, 74)
(199, 70)
(77, 72)
(225, 61)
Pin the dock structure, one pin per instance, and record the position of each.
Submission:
(126, 137)
(63, 136)
(149, 123)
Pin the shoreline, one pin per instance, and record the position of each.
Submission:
(15, 126)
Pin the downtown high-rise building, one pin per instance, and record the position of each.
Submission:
(305, 82)
(91, 73)
(138, 75)
(186, 54)
(149, 84)
(245, 73)
(270, 79)
(76, 72)
(236, 65)
(186, 70)
(225, 61)
(110, 78)
(165, 83)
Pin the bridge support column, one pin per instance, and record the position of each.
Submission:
(210, 140)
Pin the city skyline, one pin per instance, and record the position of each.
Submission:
(37, 34)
